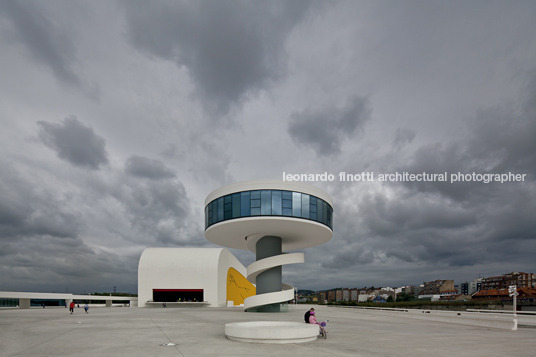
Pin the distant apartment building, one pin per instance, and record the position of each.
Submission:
(346, 295)
(475, 286)
(464, 288)
(522, 280)
(354, 293)
(471, 287)
(438, 287)
(331, 295)
(322, 296)
(411, 290)
(338, 295)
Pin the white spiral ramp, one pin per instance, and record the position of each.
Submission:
(256, 268)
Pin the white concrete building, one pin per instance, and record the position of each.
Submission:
(26, 300)
(364, 297)
(474, 286)
(187, 276)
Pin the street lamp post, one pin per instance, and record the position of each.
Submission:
(512, 291)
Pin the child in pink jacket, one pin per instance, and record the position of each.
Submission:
(312, 318)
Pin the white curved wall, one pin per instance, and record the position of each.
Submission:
(297, 233)
(186, 268)
(227, 260)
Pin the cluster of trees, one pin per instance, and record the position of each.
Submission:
(404, 297)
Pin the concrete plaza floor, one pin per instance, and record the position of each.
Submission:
(199, 331)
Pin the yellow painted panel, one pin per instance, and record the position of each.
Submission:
(238, 287)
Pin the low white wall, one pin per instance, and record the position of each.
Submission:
(500, 321)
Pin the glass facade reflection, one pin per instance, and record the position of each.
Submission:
(268, 203)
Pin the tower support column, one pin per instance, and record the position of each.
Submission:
(270, 280)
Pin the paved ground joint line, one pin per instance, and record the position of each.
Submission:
(43, 342)
(165, 334)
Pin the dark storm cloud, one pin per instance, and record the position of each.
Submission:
(497, 140)
(28, 210)
(52, 264)
(435, 230)
(432, 230)
(444, 225)
(503, 139)
(408, 211)
(349, 255)
(230, 48)
(326, 129)
(74, 142)
(403, 226)
(52, 239)
(41, 36)
(148, 168)
(158, 211)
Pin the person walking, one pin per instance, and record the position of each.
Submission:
(71, 307)
(86, 307)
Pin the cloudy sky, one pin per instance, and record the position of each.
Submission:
(119, 117)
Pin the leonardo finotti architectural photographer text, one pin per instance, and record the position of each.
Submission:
(370, 176)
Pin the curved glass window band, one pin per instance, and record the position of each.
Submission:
(268, 203)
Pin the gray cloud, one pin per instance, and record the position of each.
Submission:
(349, 255)
(27, 210)
(230, 48)
(74, 142)
(503, 139)
(497, 140)
(326, 129)
(432, 229)
(403, 136)
(453, 225)
(45, 41)
(148, 168)
(53, 237)
(54, 265)
(403, 228)
(158, 211)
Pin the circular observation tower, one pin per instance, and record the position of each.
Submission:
(269, 218)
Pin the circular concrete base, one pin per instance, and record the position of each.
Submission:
(271, 332)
